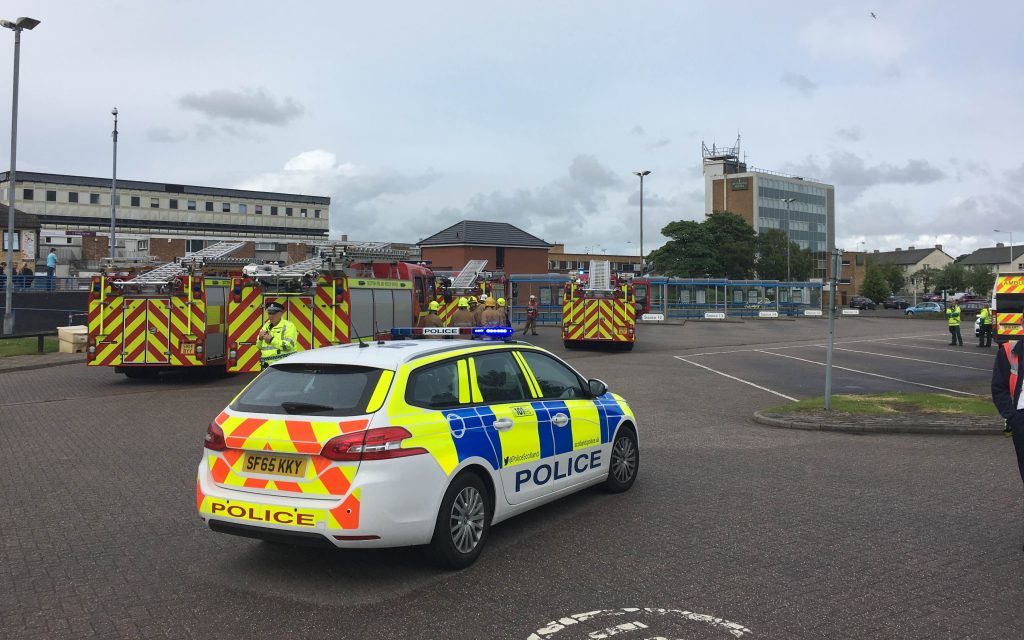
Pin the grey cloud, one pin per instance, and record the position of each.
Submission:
(165, 135)
(850, 134)
(664, 142)
(1015, 179)
(245, 105)
(852, 175)
(799, 83)
(637, 130)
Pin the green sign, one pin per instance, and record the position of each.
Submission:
(738, 184)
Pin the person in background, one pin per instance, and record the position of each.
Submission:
(532, 311)
(953, 318)
(1006, 394)
(491, 317)
(432, 319)
(474, 304)
(462, 317)
(478, 313)
(3, 276)
(278, 337)
(51, 269)
(985, 336)
(503, 310)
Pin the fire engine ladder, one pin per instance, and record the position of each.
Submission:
(600, 276)
(468, 275)
(298, 269)
(167, 271)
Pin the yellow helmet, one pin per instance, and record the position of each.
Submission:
(489, 302)
(434, 305)
(463, 303)
(501, 302)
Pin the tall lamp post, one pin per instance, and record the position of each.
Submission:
(1010, 267)
(853, 268)
(641, 175)
(113, 192)
(788, 239)
(17, 27)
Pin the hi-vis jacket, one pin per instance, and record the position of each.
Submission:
(986, 316)
(283, 340)
(1006, 378)
(953, 315)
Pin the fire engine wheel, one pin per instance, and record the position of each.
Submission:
(141, 373)
(628, 346)
(570, 344)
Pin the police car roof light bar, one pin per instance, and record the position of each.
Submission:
(490, 333)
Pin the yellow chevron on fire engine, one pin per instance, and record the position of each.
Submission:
(380, 392)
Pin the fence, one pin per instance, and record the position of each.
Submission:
(41, 310)
(42, 284)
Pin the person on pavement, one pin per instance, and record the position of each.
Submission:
(953, 318)
(532, 311)
(1006, 394)
(985, 335)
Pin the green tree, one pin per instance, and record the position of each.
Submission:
(894, 277)
(722, 245)
(952, 277)
(875, 286)
(771, 257)
(925, 278)
(980, 279)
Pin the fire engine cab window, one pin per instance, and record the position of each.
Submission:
(556, 380)
(499, 378)
(310, 389)
(434, 387)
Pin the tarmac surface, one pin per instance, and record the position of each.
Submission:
(733, 529)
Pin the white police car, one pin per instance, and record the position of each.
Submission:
(423, 442)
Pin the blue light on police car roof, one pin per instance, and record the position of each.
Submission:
(493, 332)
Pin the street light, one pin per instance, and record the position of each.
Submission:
(641, 175)
(17, 27)
(1011, 246)
(853, 267)
(788, 239)
(113, 192)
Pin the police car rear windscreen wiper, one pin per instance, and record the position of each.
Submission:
(304, 407)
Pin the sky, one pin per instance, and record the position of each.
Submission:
(412, 116)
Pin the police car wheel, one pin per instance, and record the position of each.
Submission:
(463, 523)
(625, 462)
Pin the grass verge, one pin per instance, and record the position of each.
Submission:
(26, 346)
(893, 404)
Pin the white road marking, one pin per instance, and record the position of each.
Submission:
(757, 386)
(988, 354)
(799, 346)
(676, 619)
(867, 373)
(886, 355)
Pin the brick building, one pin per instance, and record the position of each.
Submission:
(505, 248)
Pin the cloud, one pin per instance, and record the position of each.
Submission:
(850, 134)
(255, 106)
(637, 130)
(799, 83)
(851, 175)
(664, 142)
(165, 135)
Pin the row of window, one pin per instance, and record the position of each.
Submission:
(174, 203)
(556, 265)
(794, 187)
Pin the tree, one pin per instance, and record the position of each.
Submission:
(980, 279)
(925, 277)
(771, 257)
(722, 246)
(894, 277)
(875, 286)
(952, 277)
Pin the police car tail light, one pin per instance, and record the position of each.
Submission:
(382, 443)
(214, 440)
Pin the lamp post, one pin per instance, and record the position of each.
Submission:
(113, 192)
(1011, 246)
(17, 27)
(853, 267)
(788, 239)
(641, 175)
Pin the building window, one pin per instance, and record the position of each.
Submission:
(266, 246)
(287, 211)
(68, 240)
(304, 213)
(154, 203)
(136, 201)
(259, 209)
(72, 196)
(191, 205)
(172, 203)
(51, 196)
(273, 211)
(143, 245)
(17, 241)
(209, 206)
(316, 213)
(499, 258)
(225, 207)
(243, 208)
(192, 246)
(28, 194)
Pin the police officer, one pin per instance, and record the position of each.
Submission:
(953, 318)
(985, 334)
(462, 317)
(1006, 394)
(278, 337)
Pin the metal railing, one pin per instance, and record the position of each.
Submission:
(43, 284)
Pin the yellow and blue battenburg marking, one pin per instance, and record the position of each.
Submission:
(471, 437)
(610, 414)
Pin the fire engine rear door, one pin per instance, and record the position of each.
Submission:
(146, 331)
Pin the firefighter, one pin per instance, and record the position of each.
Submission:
(432, 319)
(985, 335)
(953, 318)
(1006, 394)
(278, 337)
(474, 305)
(491, 317)
(532, 311)
(478, 313)
(503, 310)
(462, 317)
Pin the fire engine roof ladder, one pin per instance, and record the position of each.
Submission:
(363, 252)
(165, 272)
(468, 275)
(600, 276)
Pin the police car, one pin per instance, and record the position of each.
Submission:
(411, 442)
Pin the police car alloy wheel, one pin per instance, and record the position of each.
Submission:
(463, 523)
(625, 462)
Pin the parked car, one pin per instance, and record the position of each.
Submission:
(971, 306)
(924, 307)
(893, 302)
(931, 297)
(862, 303)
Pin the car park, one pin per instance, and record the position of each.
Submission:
(418, 442)
(923, 308)
(862, 303)
(893, 302)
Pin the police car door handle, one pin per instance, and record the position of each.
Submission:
(560, 420)
(503, 424)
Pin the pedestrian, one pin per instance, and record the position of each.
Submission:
(532, 311)
(953, 318)
(51, 269)
(27, 276)
(985, 335)
(1006, 395)
(3, 276)
(278, 337)
(462, 317)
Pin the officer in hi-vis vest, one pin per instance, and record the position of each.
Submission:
(278, 337)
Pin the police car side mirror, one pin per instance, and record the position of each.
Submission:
(597, 388)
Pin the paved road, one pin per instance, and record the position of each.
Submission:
(786, 534)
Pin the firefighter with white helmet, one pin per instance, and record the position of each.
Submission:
(478, 312)
(532, 311)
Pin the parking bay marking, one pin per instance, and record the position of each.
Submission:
(757, 386)
(987, 354)
(868, 373)
(886, 355)
(801, 346)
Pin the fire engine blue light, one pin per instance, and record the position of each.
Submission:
(402, 331)
(494, 332)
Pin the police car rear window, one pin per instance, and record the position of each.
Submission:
(311, 390)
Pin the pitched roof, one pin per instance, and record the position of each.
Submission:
(476, 233)
(910, 256)
(993, 255)
(22, 220)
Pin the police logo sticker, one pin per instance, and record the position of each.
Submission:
(440, 331)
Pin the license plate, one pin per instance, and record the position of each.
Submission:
(274, 465)
(188, 349)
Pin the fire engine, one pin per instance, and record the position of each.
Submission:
(472, 281)
(170, 316)
(601, 309)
